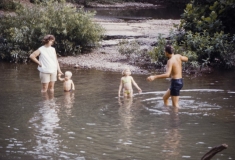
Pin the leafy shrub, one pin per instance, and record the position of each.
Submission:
(134, 53)
(128, 48)
(131, 49)
(158, 52)
(205, 35)
(209, 26)
(158, 57)
(73, 28)
(209, 15)
(9, 4)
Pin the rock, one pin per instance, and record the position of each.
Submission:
(76, 66)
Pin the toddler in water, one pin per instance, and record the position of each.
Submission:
(68, 83)
(126, 84)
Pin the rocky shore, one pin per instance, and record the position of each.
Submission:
(106, 57)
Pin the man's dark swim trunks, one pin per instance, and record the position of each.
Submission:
(176, 85)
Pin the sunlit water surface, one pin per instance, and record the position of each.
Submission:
(93, 124)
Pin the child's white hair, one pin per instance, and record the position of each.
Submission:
(68, 73)
(127, 68)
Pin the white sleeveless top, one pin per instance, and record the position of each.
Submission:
(48, 60)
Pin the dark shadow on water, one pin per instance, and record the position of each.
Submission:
(159, 13)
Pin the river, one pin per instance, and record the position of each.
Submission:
(159, 13)
(93, 123)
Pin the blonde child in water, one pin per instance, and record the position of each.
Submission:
(68, 83)
(126, 83)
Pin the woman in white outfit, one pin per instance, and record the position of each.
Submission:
(47, 64)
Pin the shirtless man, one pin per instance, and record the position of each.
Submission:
(173, 70)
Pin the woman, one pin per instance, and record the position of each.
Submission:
(47, 64)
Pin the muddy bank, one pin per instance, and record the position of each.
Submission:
(107, 58)
(101, 59)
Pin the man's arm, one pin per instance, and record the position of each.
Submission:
(165, 75)
(34, 56)
(184, 58)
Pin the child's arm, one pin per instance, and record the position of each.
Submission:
(59, 77)
(120, 88)
(135, 84)
(73, 87)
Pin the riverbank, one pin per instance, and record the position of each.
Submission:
(143, 30)
(107, 58)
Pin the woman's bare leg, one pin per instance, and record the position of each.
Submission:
(51, 86)
(44, 87)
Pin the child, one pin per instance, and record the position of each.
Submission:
(68, 83)
(126, 84)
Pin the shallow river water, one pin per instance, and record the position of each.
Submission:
(135, 14)
(93, 124)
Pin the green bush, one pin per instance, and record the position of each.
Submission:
(134, 53)
(73, 28)
(210, 15)
(129, 48)
(209, 28)
(206, 34)
(158, 53)
(9, 4)
(158, 57)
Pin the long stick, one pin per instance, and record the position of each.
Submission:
(214, 151)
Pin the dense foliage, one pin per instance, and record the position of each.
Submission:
(22, 32)
(8, 4)
(206, 33)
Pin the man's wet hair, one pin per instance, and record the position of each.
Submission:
(169, 49)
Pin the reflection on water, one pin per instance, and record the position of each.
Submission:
(68, 102)
(171, 145)
(44, 123)
(128, 112)
(92, 123)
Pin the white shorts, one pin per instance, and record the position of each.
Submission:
(48, 77)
